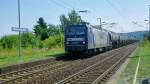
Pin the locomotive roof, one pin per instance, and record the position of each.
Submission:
(93, 26)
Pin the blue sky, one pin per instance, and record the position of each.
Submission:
(122, 12)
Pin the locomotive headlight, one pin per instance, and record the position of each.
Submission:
(67, 42)
(83, 42)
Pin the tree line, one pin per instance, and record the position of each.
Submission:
(44, 36)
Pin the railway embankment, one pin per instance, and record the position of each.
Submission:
(13, 63)
(50, 73)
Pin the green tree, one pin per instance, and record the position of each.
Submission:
(41, 29)
(72, 19)
(53, 41)
(64, 21)
(54, 30)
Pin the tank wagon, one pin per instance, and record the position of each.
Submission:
(85, 38)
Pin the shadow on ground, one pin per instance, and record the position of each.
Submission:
(71, 57)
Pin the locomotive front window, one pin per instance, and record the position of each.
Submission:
(70, 31)
(75, 30)
(80, 31)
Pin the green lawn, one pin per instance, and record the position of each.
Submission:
(9, 57)
(144, 69)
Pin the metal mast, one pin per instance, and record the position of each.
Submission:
(149, 20)
(19, 27)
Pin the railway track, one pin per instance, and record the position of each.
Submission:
(95, 73)
(28, 72)
(53, 72)
(9, 77)
(25, 74)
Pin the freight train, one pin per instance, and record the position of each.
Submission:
(85, 38)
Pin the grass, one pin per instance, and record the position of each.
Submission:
(144, 69)
(9, 57)
(128, 74)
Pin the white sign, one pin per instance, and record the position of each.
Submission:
(19, 29)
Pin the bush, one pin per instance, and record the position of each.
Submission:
(147, 36)
(29, 40)
(10, 41)
(54, 41)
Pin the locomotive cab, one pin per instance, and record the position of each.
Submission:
(76, 38)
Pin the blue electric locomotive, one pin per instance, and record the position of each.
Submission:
(84, 38)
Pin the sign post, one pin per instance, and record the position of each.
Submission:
(19, 30)
(19, 27)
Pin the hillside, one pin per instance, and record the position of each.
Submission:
(138, 34)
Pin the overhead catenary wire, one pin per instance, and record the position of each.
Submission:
(115, 8)
(139, 25)
(66, 4)
(124, 18)
(60, 4)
